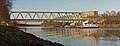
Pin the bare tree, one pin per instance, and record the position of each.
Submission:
(5, 6)
(118, 13)
(113, 13)
(107, 13)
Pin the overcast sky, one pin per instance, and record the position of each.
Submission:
(67, 5)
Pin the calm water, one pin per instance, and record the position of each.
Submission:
(77, 36)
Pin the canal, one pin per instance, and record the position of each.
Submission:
(77, 36)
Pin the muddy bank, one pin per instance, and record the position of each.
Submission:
(10, 36)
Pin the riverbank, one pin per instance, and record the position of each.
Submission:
(110, 26)
(52, 24)
(11, 36)
(101, 26)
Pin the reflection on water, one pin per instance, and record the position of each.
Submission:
(78, 37)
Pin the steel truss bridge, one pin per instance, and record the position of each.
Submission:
(46, 16)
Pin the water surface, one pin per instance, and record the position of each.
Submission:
(78, 36)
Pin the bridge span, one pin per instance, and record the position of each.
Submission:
(46, 16)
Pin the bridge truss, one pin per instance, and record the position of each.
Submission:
(45, 15)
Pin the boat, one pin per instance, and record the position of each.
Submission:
(87, 24)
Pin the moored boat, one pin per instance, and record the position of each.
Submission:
(87, 24)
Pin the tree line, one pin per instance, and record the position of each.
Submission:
(110, 18)
(112, 13)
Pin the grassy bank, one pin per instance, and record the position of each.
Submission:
(10, 36)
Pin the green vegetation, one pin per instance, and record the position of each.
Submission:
(10, 36)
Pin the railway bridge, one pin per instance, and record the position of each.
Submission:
(46, 16)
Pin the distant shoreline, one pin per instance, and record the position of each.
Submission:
(54, 24)
(110, 26)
